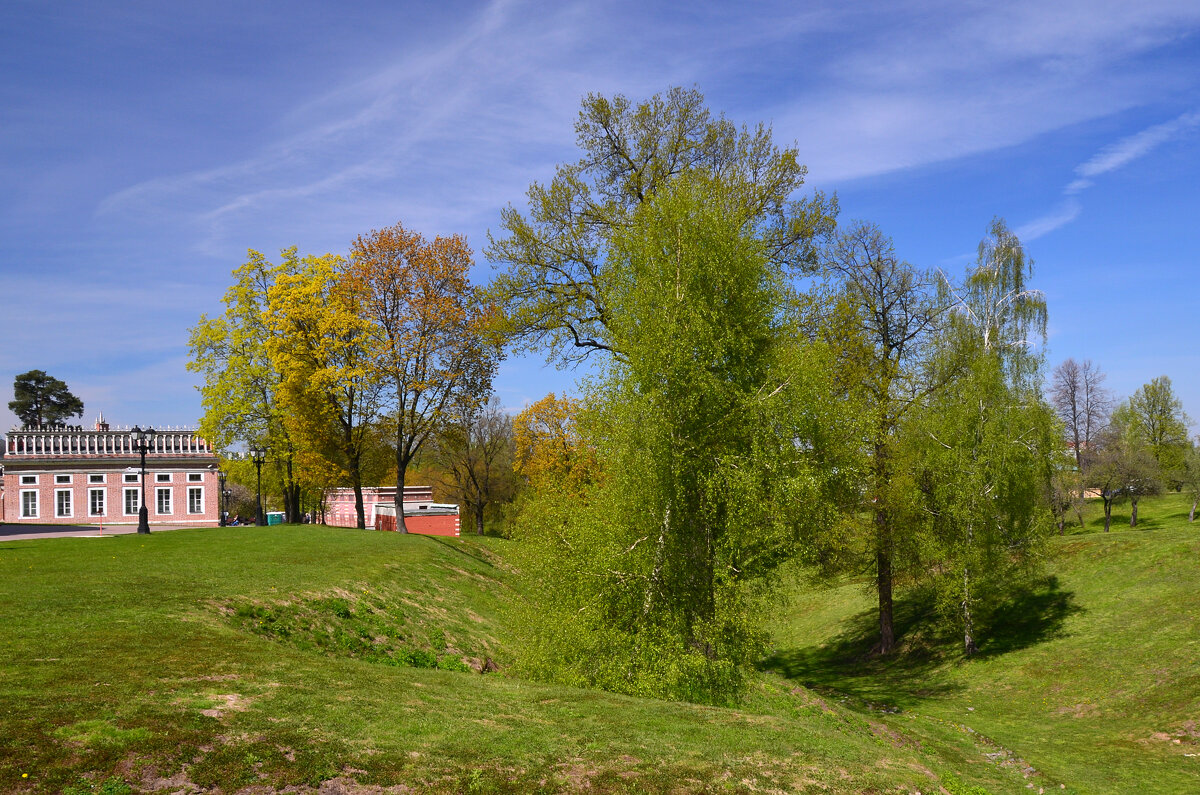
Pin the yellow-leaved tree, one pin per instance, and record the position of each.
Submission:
(549, 448)
(241, 385)
(321, 344)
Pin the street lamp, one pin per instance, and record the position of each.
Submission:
(259, 455)
(221, 498)
(141, 443)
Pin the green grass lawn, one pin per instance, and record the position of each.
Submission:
(1092, 678)
(258, 659)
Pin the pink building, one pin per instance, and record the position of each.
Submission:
(422, 515)
(66, 475)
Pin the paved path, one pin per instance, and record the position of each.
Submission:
(22, 532)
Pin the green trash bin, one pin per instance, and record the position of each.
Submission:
(274, 517)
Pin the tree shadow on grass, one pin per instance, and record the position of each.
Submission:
(927, 649)
(462, 550)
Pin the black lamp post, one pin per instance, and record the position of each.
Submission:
(259, 455)
(141, 443)
(221, 498)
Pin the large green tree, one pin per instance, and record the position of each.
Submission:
(708, 443)
(556, 289)
(1159, 420)
(896, 310)
(40, 400)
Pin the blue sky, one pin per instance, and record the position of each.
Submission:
(145, 146)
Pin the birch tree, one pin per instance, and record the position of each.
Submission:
(985, 443)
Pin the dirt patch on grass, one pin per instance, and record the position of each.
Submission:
(226, 702)
(178, 784)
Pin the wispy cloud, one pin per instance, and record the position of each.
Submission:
(1108, 159)
(1129, 149)
(1064, 214)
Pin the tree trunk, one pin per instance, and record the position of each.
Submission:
(1192, 515)
(969, 646)
(479, 520)
(1133, 512)
(401, 478)
(883, 580)
(291, 493)
(1107, 513)
(360, 512)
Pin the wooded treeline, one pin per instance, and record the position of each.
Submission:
(771, 388)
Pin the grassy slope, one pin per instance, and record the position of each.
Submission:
(238, 657)
(1093, 679)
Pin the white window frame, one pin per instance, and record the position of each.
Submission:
(97, 477)
(199, 490)
(36, 513)
(58, 514)
(162, 477)
(137, 498)
(131, 477)
(62, 480)
(103, 502)
(158, 495)
(195, 477)
(29, 480)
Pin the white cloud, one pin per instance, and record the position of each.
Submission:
(1111, 158)
(1067, 212)
(1129, 149)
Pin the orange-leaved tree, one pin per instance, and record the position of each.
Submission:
(425, 330)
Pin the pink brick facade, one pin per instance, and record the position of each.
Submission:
(422, 515)
(72, 476)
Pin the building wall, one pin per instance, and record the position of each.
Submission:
(196, 478)
(75, 463)
(340, 511)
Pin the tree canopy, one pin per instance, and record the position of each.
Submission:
(423, 332)
(705, 446)
(40, 400)
(556, 290)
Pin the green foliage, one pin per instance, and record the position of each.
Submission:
(556, 291)
(1158, 419)
(651, 583)
(240, 393)
(983, 446)
(887, 312)
(41, 400)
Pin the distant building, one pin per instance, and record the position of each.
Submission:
(422, 515)
(67, 475)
